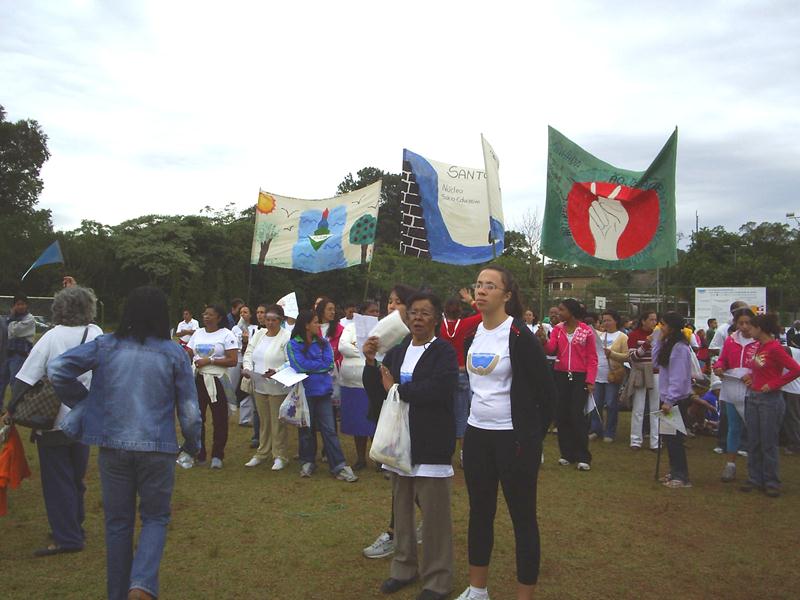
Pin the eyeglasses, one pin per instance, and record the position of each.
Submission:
(489, 287)
(420, 313)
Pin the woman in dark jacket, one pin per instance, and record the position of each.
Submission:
(512, 404)
(426, 369)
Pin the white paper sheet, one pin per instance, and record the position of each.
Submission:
(289, 305)
(289, 377)
(670, 423)
(364, 324)
(390, 331)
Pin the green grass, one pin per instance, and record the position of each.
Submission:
(611, 533)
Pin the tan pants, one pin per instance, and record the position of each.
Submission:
(273, 436)
(436, 567)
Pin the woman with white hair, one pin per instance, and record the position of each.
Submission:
(62, 461)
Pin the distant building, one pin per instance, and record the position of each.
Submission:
(570, 286)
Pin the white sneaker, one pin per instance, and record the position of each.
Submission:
(742, 453)
(419, 533)
(563, 462)
(467, 595)
(584, 467)
(593, 437)
(185, 460)
(216, 463)
(254, 462)
(346, 474)
(718, 450)
(279, 464)
(381, 547)
(307, 469)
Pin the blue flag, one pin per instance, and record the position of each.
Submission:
(51, 255)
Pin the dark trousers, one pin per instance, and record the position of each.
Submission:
(722, 431)
(678, 465)
(573, 425)
(63, 469)
(492, 458)
(219, 419)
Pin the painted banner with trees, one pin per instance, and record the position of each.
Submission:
(605, 217)
(316, 235)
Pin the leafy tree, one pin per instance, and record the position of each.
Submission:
(363, 233)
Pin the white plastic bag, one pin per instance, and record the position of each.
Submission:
(392, 442)
(294, 408)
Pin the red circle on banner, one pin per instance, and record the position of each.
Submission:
(641, 205)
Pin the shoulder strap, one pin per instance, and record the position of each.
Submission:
(85, 334)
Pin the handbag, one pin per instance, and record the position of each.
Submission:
(391, 444)
(37, 406)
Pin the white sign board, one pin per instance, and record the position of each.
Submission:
(600, 302)
(715, 303)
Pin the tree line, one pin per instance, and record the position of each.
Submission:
(205, 257)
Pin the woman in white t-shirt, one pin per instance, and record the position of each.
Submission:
(512, 404)
(355, 402)
(213, 350)
(244, 332)
(266, 354)
(62, 461)
(426, 369)
(612, 351)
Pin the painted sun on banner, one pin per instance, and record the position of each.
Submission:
(316, 235)
(605, 217)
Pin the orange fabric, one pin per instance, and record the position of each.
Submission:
(13, 467)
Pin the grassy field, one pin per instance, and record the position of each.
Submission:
(610, 533)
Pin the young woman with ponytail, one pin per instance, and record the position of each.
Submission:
(572, 341)
(512, 404)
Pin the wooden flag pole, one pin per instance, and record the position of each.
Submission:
(369, 272)
(541, 289)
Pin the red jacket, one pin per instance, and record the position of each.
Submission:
(13, 467)
(578, 356)
(455, 332)
(768, 365)
(734, 354)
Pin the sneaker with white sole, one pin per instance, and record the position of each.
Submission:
(584, 466)
(468, 595)
(347, 475)
(742, 453)
(719, 450)
(254, 462)
(279, 464)
(216, 463)
(563, 462)
(307, 469)
(382, 547)
(608, 440)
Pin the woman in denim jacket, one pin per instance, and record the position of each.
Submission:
(139, 379)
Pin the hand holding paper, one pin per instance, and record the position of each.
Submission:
(390, 331)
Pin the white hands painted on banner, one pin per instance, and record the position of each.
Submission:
(607, 220)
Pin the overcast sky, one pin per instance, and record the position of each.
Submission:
(166, 107)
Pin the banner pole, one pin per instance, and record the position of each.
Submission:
(369, 272)
(249, 283)
(541, 289)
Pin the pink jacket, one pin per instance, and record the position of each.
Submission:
(737, 352)
(578, 356)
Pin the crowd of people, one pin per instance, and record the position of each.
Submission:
(483, 377)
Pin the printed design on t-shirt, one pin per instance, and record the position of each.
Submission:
(759, 360)
(406, 377)
(204, 350)
(482, 363)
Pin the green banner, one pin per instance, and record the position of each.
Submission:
(609, 218)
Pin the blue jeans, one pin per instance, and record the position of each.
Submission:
(11, 367)
(606, 396)
(463, 401)
(735, 427)
(124, 475)
(763, 413)
(322, 420)
(63, 468)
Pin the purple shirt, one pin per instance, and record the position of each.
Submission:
(675, 380)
